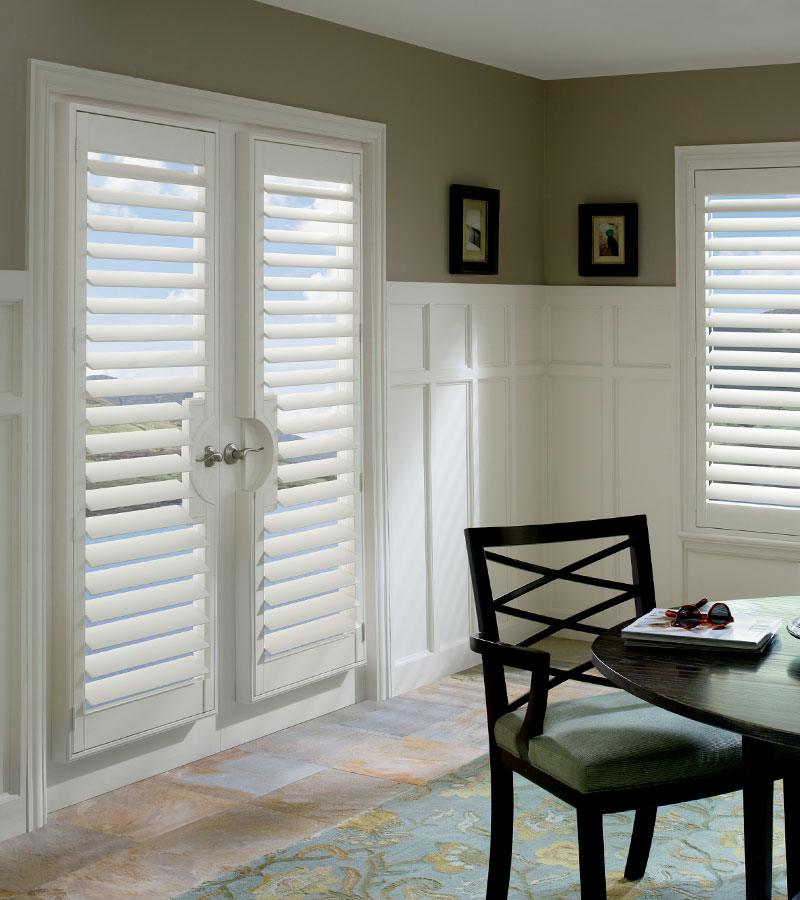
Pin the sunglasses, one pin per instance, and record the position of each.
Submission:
(688, 616)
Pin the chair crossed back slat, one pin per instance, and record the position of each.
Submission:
(483, 547)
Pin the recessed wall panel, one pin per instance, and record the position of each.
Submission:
(10, 342)
(491, 325)
(10, 605)
(408, 580)
(493, 451)
(406, 338)
(529, 418)
(450, 493)
(449, 337)
(527, 334)
(646, 466)
(645, 336)
(731, 576)
(576, 335)
(576, 468)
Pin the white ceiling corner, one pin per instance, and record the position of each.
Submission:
(553, 39)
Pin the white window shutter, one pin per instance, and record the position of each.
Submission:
(748, 286)
(143, 303)
(306, 602)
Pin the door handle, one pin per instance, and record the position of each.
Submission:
(210, 456)
(232, 453)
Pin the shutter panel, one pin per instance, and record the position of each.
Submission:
(307, 602)
(749, 364)
(144, 303)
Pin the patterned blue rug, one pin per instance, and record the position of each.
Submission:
(432, 843)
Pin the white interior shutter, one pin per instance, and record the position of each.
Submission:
(749, 353)
(143, 306)
(307, 285)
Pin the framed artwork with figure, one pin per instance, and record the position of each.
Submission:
(474, 223)
(608, 239)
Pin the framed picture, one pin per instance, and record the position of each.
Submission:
(608, 239)
(474, 224)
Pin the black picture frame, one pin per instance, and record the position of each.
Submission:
(608, 239)
(474, 230)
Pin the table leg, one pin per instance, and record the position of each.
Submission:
(758, 757)
(791, 803)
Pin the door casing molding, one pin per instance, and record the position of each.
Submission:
(51, 84)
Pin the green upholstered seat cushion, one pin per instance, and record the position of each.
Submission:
(615, 740)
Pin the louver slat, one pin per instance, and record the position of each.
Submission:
(307, 610)
(151, 678)
(152, 359)
(319, 238)
(314, 399)
(318, 468)
(302, 190)
(309, 633)
(143, 494)
(297, 377)
(98, 527)
(310, 493)
(279, 594)
(119, 578)
(121, 659)
(307, 540)
(147, 466)
(275, 523)
(308, 215)
(315, 307)
(109, 552)
(130, 603)
(145, 252)
(138, 628)
(314, 446)
(122, 441)
(143, 387)
(307, 563)
(134, 413)
(140, 198)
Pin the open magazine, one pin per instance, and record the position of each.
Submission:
(748, 633)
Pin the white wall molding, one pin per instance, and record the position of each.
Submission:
(466, 419)
(22, 785)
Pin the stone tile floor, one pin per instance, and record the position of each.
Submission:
(163, 835)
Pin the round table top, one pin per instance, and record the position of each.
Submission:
(754, 694)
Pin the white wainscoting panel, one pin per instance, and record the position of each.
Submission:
(15, 294)
(465, 413)
(612, 446)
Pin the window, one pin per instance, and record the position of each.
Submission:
(742, 283)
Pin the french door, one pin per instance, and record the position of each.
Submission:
(212, 437)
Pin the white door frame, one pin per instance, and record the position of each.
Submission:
(51, 83)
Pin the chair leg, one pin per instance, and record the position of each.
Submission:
(791, 802)
(502, 830)
(641, 839)
(591, 856)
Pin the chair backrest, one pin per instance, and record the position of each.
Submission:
(629, 534)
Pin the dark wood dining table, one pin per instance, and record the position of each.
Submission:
(756, 695)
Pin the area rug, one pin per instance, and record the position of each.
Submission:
(432, 843)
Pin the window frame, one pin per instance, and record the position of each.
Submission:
(758, 526)
(54, 88)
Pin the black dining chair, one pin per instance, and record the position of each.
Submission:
(603, 753)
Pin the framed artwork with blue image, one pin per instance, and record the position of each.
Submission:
(608, 239)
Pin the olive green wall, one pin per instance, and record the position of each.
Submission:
(448, 120)
(613, 139)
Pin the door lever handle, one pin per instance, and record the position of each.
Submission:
(232, 453)
(210, 456)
